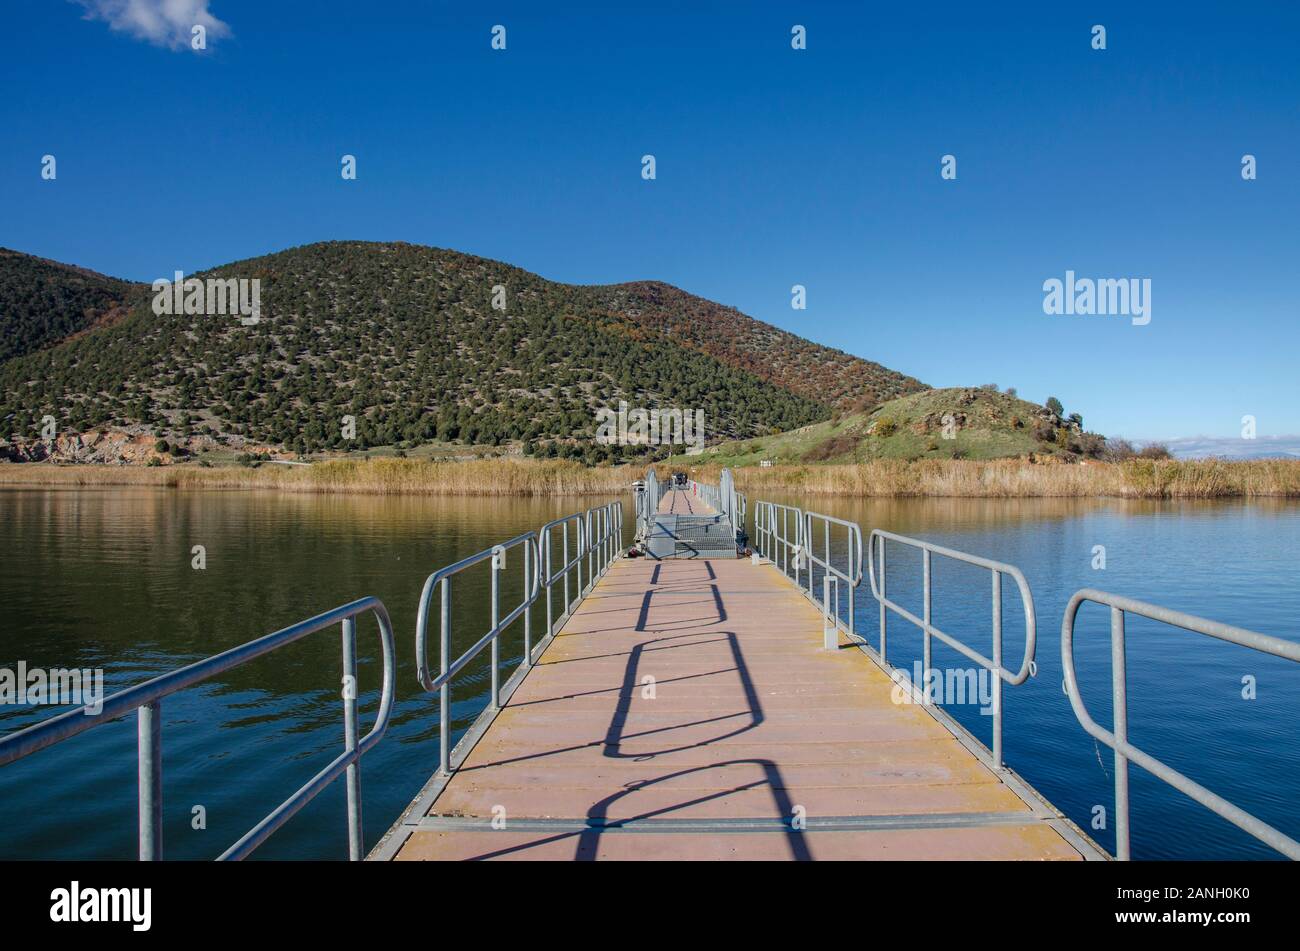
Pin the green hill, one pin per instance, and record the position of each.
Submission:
(982, 423)
(43, 302)
(405, 339)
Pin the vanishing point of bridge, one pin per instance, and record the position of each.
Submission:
(694, 697)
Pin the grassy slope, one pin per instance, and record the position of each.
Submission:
(990, 425)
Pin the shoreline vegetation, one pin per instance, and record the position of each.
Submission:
(885, 478)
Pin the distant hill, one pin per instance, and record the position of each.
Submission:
(43, 302)
(982, 423)
(405, 339)
(1263, 446)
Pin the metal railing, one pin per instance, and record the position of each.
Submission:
(727, 501)
(146, 698)
(597, 537)
(448, 668)
(832, 573)
(647, 504)
(1117, 740)
(604, 532)
(773, 541)
(569, 564)
(992, 664)
(706, 492)
(724, 498)
(772, 538)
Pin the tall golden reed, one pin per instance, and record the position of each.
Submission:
(1014, 478)
(385, 476)
(1005, 478)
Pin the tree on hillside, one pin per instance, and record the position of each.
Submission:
(1055, 406)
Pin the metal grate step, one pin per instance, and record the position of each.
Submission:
(691, 536)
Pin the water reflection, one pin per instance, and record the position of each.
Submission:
(104, 578)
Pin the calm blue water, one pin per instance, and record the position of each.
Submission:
(103, 578)
(1229, 561)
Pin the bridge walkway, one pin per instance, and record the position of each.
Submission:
(678, 501)
(689, 710)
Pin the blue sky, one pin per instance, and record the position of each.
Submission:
(775, 167)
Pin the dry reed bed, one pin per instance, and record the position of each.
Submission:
(1138, 479)
(513, 477)
(1135, 479)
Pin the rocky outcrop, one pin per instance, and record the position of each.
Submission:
(120, 447)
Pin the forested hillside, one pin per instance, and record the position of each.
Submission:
(43, 302)
(405, 339)
(831, 377)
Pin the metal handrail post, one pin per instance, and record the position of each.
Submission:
(997, 664)
(580, 539)
(528, 615)
(1119, 698)
(546, 567)
(444, 695)
(826, 543)
(830, 633)
(496, 637)
(925, 631)
(586, 519)
(852, 620)
(356, 847)
(799, 546)
(884, 657)
(149, 732)
(808, 553)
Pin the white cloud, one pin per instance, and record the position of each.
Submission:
(167, 23)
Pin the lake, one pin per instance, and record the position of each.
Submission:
(103, 578)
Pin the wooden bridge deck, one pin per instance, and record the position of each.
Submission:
(682, 502)
(688, 710)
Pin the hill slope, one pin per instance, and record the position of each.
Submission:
(43, 302)
(981, 424)
(405, 339)
(831, 377)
